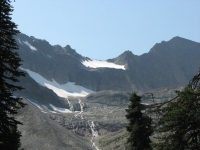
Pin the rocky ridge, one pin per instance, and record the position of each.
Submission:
(169, 63)
(89, 122)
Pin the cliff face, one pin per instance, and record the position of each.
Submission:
(166, 64)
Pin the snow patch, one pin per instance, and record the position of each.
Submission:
(20, 41)
(14, 96)
(49, 56)
(101, 64)
(62, 90)
(49, 109)
(62, 110)
(37, 106)
(29, 45)
(145, 103)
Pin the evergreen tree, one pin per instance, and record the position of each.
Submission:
(9, 64)
(139, 125)
(180, 124)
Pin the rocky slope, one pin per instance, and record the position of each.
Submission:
(97, 124)
(39, 131)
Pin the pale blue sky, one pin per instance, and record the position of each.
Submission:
(103, 29)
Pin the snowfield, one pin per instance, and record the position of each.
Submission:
(101, 64)
(62, 110)
(29, 45)
(66, 90)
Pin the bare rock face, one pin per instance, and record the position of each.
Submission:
(166, 64)
(110, 98)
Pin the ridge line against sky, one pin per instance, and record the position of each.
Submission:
(105, 29)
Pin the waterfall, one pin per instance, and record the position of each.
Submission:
(94, 133)
(71, 107)
(81, 106)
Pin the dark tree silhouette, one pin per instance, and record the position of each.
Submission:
(9, 65)
(139, 125)
(179, 122)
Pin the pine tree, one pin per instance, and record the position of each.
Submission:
(9, 64)
(139, 126)
(180, 124)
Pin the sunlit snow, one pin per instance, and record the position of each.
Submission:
(62, 90)
(37, 106)
(14, 96)
(29, 45)
(48, 109)
(20, 41)
(62, 110)
(102, 64)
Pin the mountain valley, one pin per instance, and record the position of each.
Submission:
(75, 102)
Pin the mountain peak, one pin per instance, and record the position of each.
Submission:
(64, 64)
(181, 42)
(127, 52)
(69, 50)
(174, 43)
(177, 38)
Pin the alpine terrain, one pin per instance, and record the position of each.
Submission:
(77, 103)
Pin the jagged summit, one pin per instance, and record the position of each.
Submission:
(127, 52)
(123, 58)
(64, 64)
(71, 51)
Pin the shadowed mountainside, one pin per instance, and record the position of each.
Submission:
(166, 64)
